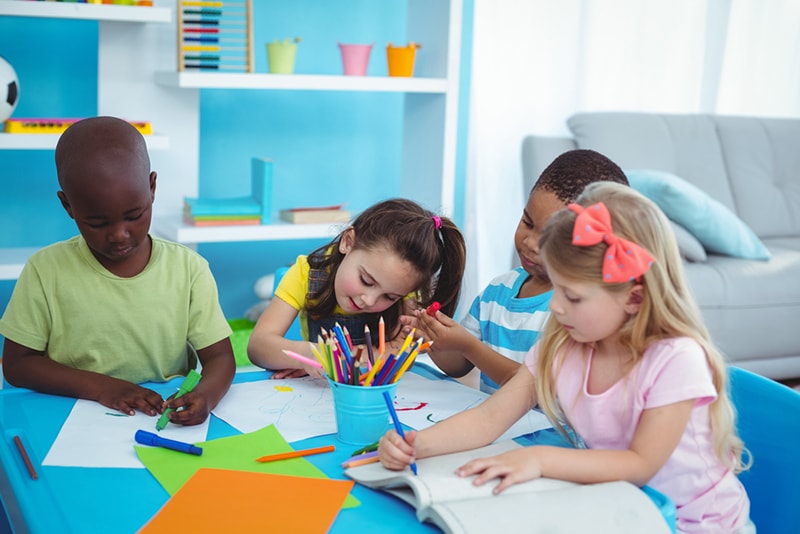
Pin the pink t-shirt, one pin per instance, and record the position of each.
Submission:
(708, 495)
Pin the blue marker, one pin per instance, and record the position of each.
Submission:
(148, 438)
(396, 421)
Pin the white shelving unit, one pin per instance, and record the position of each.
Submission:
(12, 260)
(170, 228)
(429, 127)
(307, 82)
(74, 10)
(48, 141)
(128, 42)
(146, 86)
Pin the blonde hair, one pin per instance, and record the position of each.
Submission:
(668, 308)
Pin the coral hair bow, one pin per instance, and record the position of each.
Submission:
(624, 260)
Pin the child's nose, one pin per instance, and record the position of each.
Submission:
(119, 232)
(555, 305)
(368, 299)
(532, 241)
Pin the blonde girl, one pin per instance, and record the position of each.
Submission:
(624, 363)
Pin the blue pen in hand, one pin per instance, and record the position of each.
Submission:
(396, 421)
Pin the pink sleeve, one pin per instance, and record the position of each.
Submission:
(675, 370)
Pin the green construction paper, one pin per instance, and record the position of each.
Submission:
(238, 453)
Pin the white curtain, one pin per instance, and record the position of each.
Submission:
(536, 62)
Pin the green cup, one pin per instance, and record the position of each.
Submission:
(281, 56)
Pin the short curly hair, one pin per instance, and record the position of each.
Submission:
(572, 171)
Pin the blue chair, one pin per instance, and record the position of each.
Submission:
(769, 423)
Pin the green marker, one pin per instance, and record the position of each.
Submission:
(187, 385)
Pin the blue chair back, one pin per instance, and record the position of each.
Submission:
(769, 423)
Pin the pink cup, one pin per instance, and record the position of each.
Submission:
(355, 58)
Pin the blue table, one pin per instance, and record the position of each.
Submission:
(87, 500)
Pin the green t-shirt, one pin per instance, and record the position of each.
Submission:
(139, 329)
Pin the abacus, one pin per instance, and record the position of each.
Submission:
(214, 36)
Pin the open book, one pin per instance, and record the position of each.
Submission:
(543, 505)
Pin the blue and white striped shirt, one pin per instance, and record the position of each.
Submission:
(506, 323)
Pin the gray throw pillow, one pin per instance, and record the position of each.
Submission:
(688, 245)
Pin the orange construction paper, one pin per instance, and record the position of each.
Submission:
(222, 500)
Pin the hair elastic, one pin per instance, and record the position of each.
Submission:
(437, 222)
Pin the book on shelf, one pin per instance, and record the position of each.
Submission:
(455, 505)
(252, 209)
(221, 207)
(321, 214)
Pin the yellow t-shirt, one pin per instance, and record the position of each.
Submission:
(293, 289)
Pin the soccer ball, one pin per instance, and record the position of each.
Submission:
(9, 89)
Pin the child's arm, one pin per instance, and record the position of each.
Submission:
(27, 368)
(655, 439)
(219, 366)
(456, 351)
(470, 429)
(267, 342)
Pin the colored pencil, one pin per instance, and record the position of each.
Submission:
(397, 426)
(362, 459)
(295, 454)
(25, 458)
(368, 340)
(407, 341)
(303, 359)
(347, 337)
(381, 336)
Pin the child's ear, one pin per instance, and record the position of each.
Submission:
(65, 203)
(347, 240)
(635, 298)
(153, 186)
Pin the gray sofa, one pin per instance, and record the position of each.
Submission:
(752, 167)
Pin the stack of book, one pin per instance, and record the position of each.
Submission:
(221, 211)
(318, 215)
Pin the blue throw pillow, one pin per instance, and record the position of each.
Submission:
(715, 226)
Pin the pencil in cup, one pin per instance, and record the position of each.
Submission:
(302, 359)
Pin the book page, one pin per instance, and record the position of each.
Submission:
(543, 505)
(618, 507)
(436, 480)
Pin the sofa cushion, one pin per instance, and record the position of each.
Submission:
(762, 158)
(714, 225)
(685, 145)
(750, 307)
(690, 248)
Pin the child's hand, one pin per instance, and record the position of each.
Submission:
(408, 323)
(189, 409)
(395, 452)
(513, 467)
(127, 397)
(445, 333)
(280, 374)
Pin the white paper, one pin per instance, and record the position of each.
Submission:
(303, 407)
(421, 403)
(79, 444)
(299, 408)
